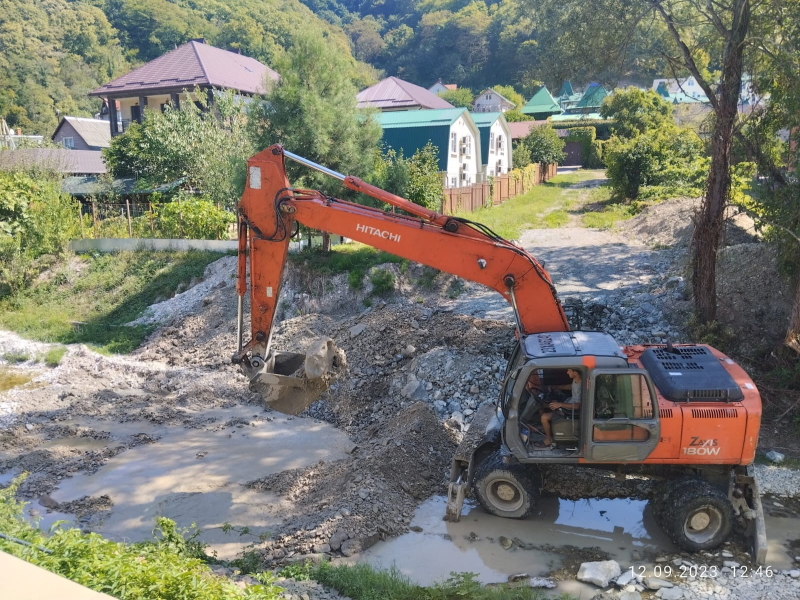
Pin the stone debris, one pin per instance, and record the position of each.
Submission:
(599, 572)
(775, 456)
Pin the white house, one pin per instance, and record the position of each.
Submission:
(495, 143)
(491, 101)
(439, 87)
(451, 130)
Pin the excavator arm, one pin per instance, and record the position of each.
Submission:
(270, 208)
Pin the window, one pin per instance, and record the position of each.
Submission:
(468, 141)
(500, 144)
(453, 181)
(68, 142)
(622, 396)
(491, 140)
(488, 96)
(453, 142)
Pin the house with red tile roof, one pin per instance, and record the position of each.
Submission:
(439, 87)
(174, 77)
(395, 94)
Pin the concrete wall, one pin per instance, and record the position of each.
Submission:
(123, 244)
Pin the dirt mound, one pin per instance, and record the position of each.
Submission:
(754, 300)
(348, 505)
(670, 223)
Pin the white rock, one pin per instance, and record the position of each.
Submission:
(730, 563)
(357, 330)
(28, 426)
(677, 562)
(674, 593)
(542, 582)
(794, 573)
(599, 572)
(775, 456)
(630, 596)
(625, 578)
(654, 583)
(726, 554)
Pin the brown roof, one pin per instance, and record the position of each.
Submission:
(58, 159)
(519, 129)
(190, 65)
(451, 86)
(95, 132)
(398, 94)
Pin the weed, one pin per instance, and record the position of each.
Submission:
(455, 288)
(355, 279)
(109, 292)
(250, 561)
(15, 357)
(714, 334)
(382, 281)
(608, 217)
(344, 258)
(428, 277)
(53, 356)
(367, 302)
(298, 571)
(557, 218)
(532, 209)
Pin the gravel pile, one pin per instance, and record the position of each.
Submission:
(779, 481)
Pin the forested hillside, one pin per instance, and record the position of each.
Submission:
(483, 43)
(53, 52)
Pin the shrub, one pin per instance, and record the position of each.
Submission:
(193, 218)
(670, 157)
(382, 281)
(53, 356)
(543, 145)
(585, 136)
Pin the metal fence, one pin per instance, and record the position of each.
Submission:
(501, 188)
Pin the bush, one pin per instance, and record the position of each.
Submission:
(670, 157)
(382, 281)
(416, 178)
(543, 145)
(585, 136)
(36, 219)
(192, 218)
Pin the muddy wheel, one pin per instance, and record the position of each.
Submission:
(504, 490)
(700, 517)
(664, 496)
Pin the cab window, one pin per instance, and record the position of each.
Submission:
(622, 396)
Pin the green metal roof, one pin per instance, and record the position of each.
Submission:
(566, 89)
(410, 130)
(542, 105)
(593, 96)
(592, 116)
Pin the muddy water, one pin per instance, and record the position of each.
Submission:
(780, 531)
(617, 526)
(196, 475)
(11, 377)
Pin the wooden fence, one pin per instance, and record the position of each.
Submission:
(503, 187)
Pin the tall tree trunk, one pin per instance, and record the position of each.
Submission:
(326, 241)
(710, 219)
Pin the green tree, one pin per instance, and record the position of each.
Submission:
(509, 93)
(634, 111)
(206, 148)
(460, 97)
(542, 145)
(312, 112)
(416, 178)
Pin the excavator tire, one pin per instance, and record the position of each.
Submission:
(664, 494)
(700, 517)
(504, 490)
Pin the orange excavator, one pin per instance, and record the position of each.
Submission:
(685, 415)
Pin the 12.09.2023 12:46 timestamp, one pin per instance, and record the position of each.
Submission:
(703, 571)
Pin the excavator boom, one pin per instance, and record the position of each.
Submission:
(270, 207)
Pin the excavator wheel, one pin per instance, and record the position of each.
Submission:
(700, 517)
(504, 490)
(664, 494)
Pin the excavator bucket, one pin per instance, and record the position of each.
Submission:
(290, 382)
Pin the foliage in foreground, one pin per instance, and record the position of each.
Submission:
(36, 220)
(168, 568)
(416, 178)
(364, 582)
(93, 303)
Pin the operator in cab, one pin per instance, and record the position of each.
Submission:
(573, 403)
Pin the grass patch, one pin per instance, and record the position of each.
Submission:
(382, 282)
(608, 217)
(172, 567)
(90, 301)
(15, 357)
(364, 582)
(544, 206)
(53, 356)
(354, 258)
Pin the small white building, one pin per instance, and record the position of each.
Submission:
(451, 130)
(495, 143)
(439, 87)
(491, 101)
